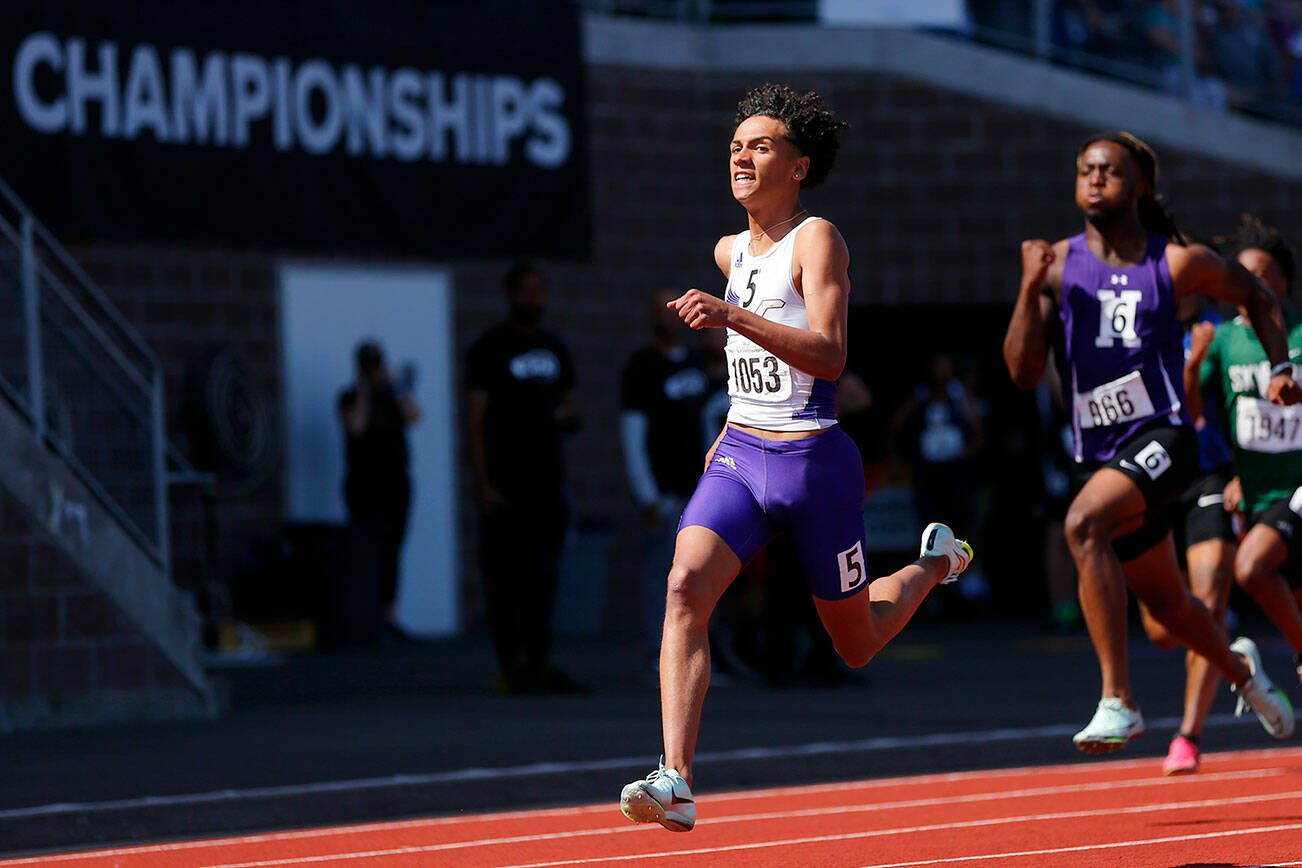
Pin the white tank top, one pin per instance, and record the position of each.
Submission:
(765, 391)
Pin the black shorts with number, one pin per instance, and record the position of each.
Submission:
(1280, 516)
(1162, 461)
(1199, 514)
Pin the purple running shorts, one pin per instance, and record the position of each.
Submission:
(811, 488)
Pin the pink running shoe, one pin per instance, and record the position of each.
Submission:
(1182, 758)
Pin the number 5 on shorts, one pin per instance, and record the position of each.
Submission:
(852, 569)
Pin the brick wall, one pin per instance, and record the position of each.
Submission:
(186, 302)
(933, 192)
(67, 655)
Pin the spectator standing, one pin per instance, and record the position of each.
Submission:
(520, 381)
(1243, 54)
(1161, 46)
(375, 413)
(940, 432)
(1286, 29)
(1055, 451)
(664, 389)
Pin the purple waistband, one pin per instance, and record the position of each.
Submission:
(802, 444)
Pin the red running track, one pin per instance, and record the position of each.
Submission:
(1241, 809)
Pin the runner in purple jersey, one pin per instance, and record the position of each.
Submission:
(1105, 302)
(781, 462)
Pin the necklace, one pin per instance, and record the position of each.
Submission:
(755, 236)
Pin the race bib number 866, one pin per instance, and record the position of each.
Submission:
(1122, 400)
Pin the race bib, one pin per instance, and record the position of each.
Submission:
(1122, 400)
(1261, 426)
(759, 376)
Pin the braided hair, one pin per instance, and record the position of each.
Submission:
(811, 127)
(1153, 214)
(1252, 234)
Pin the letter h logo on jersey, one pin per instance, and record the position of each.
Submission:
(1118, 310)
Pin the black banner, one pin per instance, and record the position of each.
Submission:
(429, 129)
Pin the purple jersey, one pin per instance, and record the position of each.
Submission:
(1122, 353)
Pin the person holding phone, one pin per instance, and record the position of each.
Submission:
(375, 413)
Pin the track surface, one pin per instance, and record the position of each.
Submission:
(1243, 808)
(417, 735)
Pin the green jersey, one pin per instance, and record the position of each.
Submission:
(1267, 439)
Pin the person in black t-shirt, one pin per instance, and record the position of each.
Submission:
(520, 381)
(375, 413)
(664, 389)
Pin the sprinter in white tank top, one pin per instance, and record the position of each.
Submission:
(786, 311)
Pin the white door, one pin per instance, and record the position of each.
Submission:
(325, 312)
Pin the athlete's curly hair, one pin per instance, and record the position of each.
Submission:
(1152, 208)
(811, 127)
(1252, 234)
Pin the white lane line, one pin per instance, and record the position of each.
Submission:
(1176, 839)
(1087, 767)
(967, 798)
(815, 839)
(870, 745)
(846, 809)
(403, 825)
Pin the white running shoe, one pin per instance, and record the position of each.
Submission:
(663, 797)
(1112, 726)
(1269, 702)
(939, 541)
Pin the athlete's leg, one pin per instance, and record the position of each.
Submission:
(1211, 572)
(722, 527)
(1258, 570)
(1110, 505)
(861, 625)
(827, 532)
(1155, 578)
(703, 568)
(1156, 630)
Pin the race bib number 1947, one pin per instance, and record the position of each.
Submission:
(1261, 426)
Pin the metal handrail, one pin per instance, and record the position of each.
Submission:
(105, 342)
(86, 285)
(1135, 73)
(120, 395)
(100, 336)
(130, 527)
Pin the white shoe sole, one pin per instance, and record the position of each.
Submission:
(1104, 744)
(636, 804)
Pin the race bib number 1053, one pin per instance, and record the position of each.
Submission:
(760, 377)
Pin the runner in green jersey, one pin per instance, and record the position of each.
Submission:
(1267, 439)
